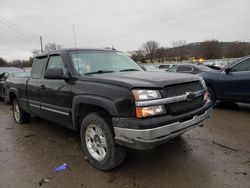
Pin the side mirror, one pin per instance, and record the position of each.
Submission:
(228, 70)
(55, 73)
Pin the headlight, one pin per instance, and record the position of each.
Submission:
(149, 111)
(203, 84)
(142, 95)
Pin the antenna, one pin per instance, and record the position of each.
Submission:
(75, 47)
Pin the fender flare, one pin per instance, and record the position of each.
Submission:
(99, 101)
(12, 90)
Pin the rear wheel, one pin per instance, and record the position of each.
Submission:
(19, 115)
(211, 94)
(98, 142)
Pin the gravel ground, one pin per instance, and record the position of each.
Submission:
(216, 155)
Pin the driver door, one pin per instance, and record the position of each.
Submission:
(237, 82)
(56, 94)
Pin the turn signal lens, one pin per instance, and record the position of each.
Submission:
(149, 111)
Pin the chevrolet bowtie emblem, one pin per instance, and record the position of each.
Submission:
(190, 96)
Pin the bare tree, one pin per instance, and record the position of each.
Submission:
(138, 56)
(35, 52)
(211, 49)
(52, 46)
(160, 54)
(179, 49)
(234, 50)
(3, 63)
(150, 48)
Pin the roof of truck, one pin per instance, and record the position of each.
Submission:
(76, 49)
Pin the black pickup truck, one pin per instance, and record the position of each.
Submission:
(111, 100)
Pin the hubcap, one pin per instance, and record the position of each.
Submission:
(16, 112)
(96, 142)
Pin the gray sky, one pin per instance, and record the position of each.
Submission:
(125, 24)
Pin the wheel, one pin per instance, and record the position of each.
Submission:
(19, 115)
(98, 143)
(211, 94)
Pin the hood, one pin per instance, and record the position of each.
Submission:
(143, 79)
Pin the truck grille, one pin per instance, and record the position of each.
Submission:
(181, 89)
(184, 106)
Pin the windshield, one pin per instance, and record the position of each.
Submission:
(87, 62)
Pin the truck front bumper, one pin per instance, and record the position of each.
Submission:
(151, 137)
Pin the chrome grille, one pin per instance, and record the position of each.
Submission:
(184, 106)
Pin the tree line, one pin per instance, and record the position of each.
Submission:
(152, 51)
(180, 50)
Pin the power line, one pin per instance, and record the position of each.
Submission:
(16, 29)
(18, 34)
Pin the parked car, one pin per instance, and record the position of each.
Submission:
(150, 67)
(230, 84)
(13, 77)
(9, 69)
(189, 68)
(5, 73)
(111, 100)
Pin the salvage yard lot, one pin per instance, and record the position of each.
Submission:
(217, 155)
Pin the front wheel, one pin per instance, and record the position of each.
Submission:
(19, 115)
(211, 94)
(98, 142)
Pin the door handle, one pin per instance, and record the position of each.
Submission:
(42, 86)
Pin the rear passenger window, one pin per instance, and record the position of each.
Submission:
(38, 67)
(56, 62)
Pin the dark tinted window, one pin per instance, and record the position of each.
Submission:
(38, 67)
(164, 66)
(184, 68)
(56, 61)
(242, 66)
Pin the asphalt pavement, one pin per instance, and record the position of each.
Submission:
(216, 155)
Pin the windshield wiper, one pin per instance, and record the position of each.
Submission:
(99, 72)
(124, 70)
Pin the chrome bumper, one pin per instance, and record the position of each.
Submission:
(148, 138)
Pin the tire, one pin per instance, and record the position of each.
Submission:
(211, 94)
(19, 115)
(98, 143)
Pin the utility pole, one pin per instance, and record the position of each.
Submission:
(41, 43)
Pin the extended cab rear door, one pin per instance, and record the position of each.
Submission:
(56, 94)
(34, 83)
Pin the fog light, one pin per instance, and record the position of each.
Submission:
(206, 96)
(149, 111)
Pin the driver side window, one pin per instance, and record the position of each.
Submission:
(242, 66)
(56, 61)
